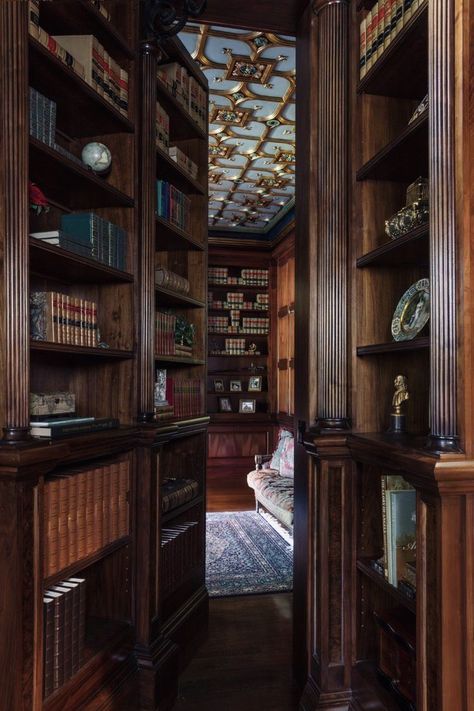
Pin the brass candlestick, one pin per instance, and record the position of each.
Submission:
(397, 418)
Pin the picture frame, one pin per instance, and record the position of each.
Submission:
(247, 406)
(225, 404)
(218, 385)
(255, 384)
(236, 386)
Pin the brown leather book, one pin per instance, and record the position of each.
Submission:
(48, 638)
(90, 505)
(67, 628)
(75, 628)
(98, 513)
(114, 474)
(82, 615)
(81, 484)
(124, 485)
(58, 637)
(51, 527)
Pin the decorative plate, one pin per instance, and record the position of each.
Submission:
(412, 312)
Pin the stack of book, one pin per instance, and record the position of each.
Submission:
(171, 280)
(218, 275)
(55, 428)
(186, 396)
(102, 72)
(162, 128)
(173, 205)
(220, 305)
(42, 118)
(165, 334)
(379, 28)
(218, 324)
(183, 161)
(186, 90)
(61, 318)
(255, 325)
(262, 301)
(85, 509)
(399, 534)
(180, 553)
(64, 622)
(106, 241)
(235, 299)
(51, 44)
(254, 277)
(176, 492)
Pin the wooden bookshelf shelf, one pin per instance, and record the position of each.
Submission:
(179, 510)
(82, 17)
(240, 333)
(80, 351)
(394, 347)
(363, 565)
(240, 393)
(75, 568)
(232, 355)
(241, 417)
(182, 126)
(242, 373)
(392, 74)
(49, 260)
(103, 638)
(411, 248)
(246, 311)
(166, 297)
(167, 167)
(178, 360)
(69, 182)
(371, 693)
(83, 112)
(169, 236)
(404, 158)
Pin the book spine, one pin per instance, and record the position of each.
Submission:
(98, 513)
(114, 501)
(90, 513)
(48, 637)
(63, 523)
(81, 483)
(123, 499)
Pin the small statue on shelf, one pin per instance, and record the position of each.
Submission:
(397, 418)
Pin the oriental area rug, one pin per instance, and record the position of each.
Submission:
(246, 556)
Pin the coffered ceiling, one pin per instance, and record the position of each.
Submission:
(251, 124)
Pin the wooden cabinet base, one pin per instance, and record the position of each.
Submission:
(158, 675)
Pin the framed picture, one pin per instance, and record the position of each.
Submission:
(246, 406)
(255, 384)
(225, 404)
(218, 385)
(236, 386)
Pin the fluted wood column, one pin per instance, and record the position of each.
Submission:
(14, 224)
(443, 419)
(146, 363)
(331, 212)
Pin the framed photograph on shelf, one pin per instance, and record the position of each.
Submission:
(247, 406)
(255, 384)
(236, 386)
(218, 385)
(225, 404)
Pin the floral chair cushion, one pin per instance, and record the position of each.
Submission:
(283, 437)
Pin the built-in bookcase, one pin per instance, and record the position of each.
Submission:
(86, 510)
(390, 151)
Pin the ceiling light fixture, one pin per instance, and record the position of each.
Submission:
(165, 18)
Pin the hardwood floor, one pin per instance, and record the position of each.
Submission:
(246, 661)
(229, 493)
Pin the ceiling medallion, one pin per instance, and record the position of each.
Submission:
(244, 69)
(260, 41)
(287, 157)
(272, 123)
(229, 117)
(222, 151)
(270, 182)
(259, 202)
(215, 178)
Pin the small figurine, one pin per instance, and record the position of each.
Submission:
(397, 418)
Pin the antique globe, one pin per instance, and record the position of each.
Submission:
(97, 157)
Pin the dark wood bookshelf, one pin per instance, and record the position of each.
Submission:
(167, 297)
(411, 248)
(394, 74)
(394, 347)
(247, 334)
(73, 184)
(404, 158)
(179, 510)
(50, 260)
(363, 565)
(167, 167)
(178, 360)
(241, 416)
(247, 311)
(232, 355)
(240, 393)
(239, 287)
(83, 112)
(79, 351)
(81, 564)
(242, 373)
(104, 637)
(182, 126)
(169, 236)
(82, 17)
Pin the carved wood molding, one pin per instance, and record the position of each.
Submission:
(332, 217)
(146, 363)
(14, 127)
(444, 436)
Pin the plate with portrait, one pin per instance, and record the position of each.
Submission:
(412, 312)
